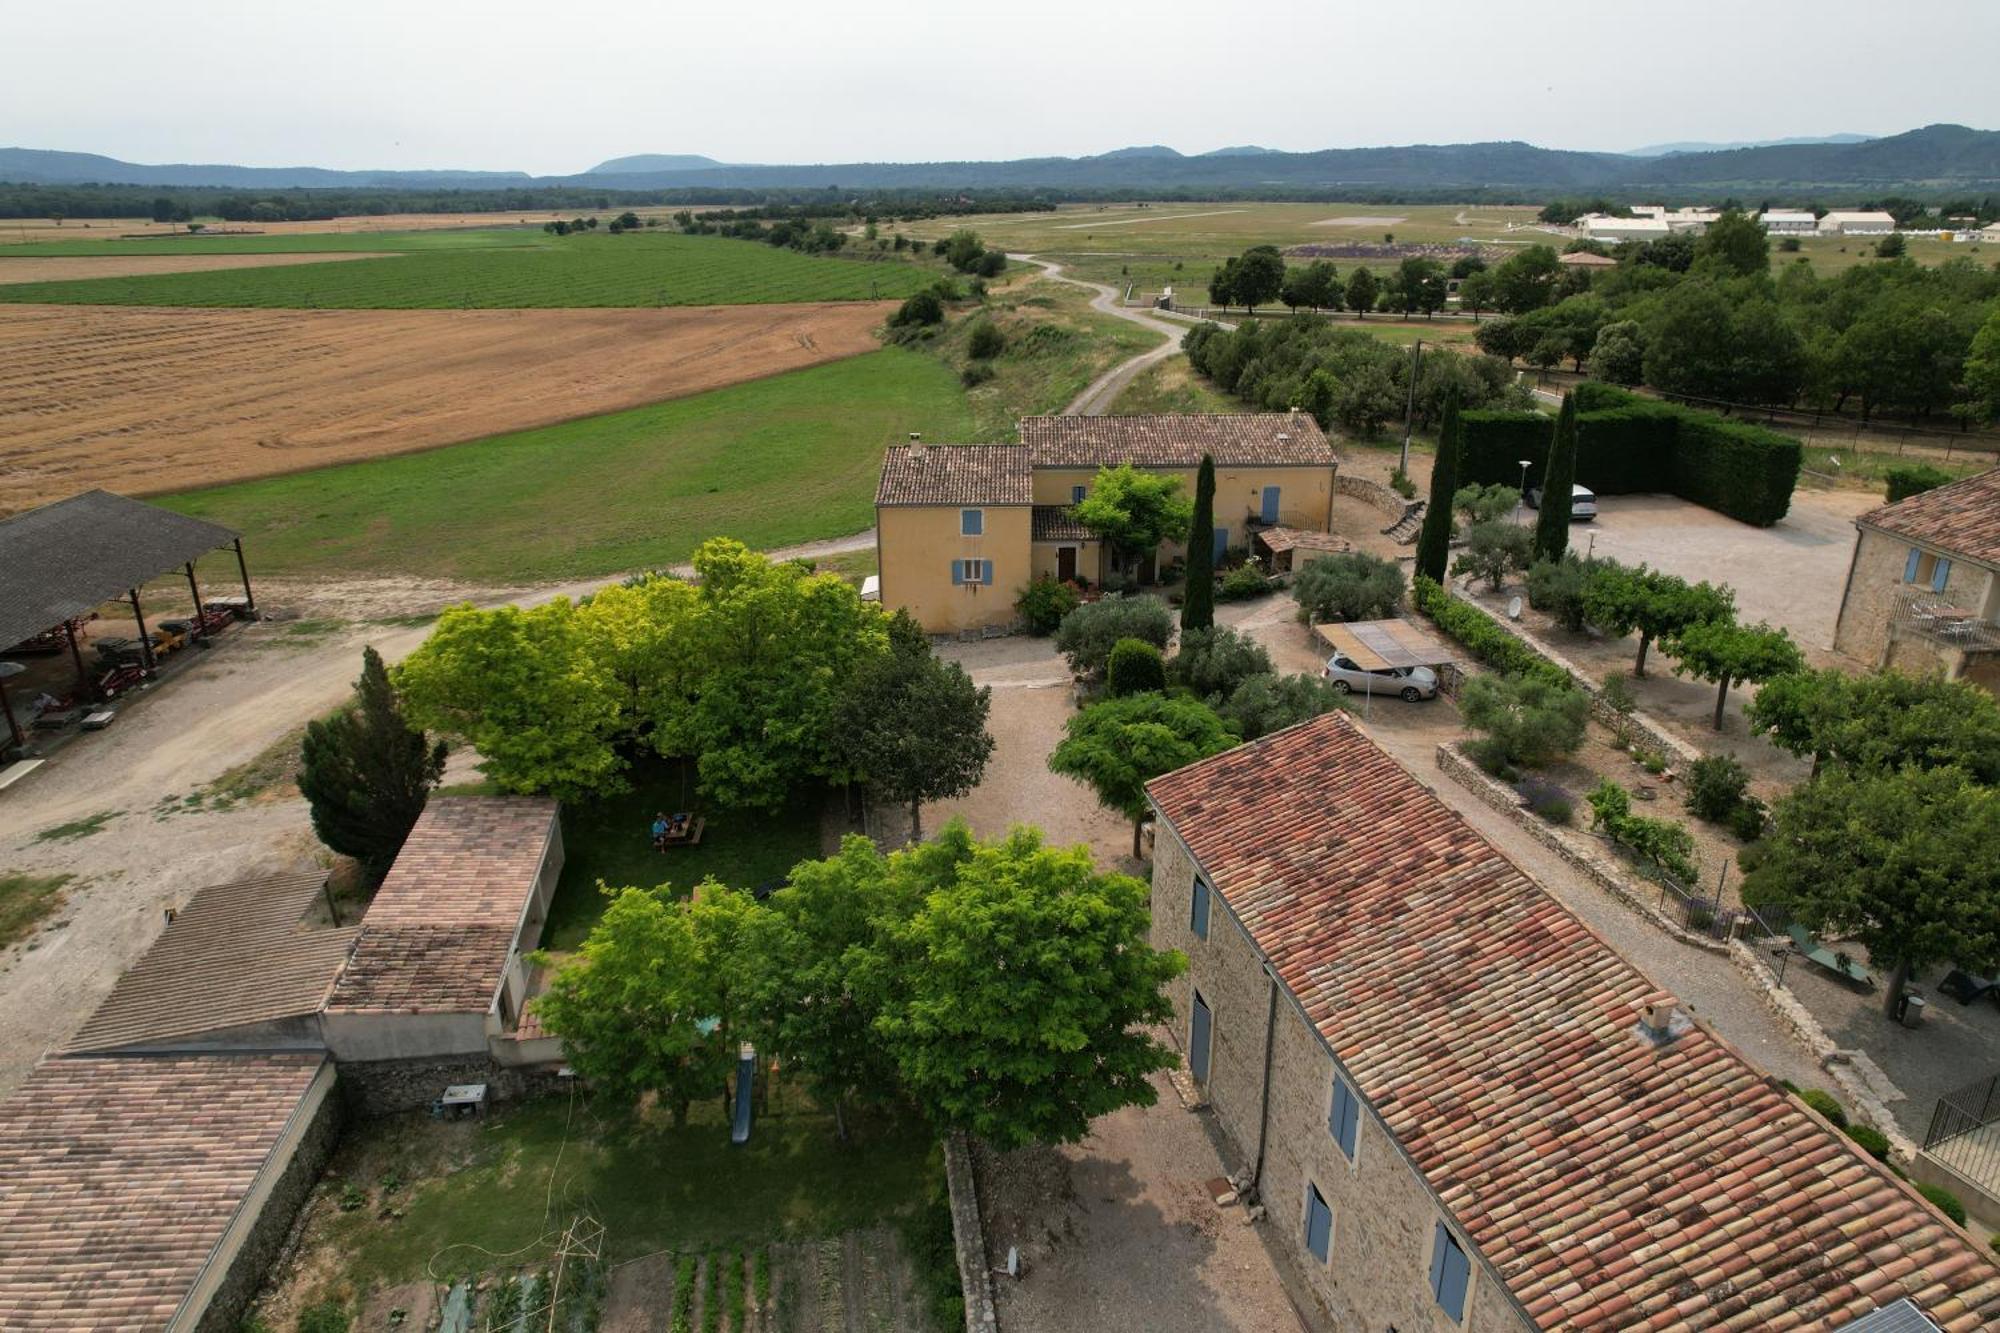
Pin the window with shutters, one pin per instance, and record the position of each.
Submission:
(971, 522)
(1451, 1273)
(1076, 494)
(972, 572)
(1319, 1224)
(1343, 1119)
(1927, 570)
(1198, 912)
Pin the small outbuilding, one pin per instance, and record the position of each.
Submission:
(1288, 549)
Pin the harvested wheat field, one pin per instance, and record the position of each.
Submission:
(141, 266)
(143, 401)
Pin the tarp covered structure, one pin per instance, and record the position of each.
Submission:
(66, 559)
(1374, 645)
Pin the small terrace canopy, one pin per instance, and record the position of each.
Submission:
(1375, 645)
(65, 559)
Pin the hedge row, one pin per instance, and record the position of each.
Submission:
(1481, 635)
(1910, 479)
(1632, 445)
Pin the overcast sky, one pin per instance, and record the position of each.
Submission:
(551, 87)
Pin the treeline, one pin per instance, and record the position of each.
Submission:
(1343, 376)
(1706, 318)
(1259, 276)
(1907, 211)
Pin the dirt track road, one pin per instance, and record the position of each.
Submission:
(259, 684)
(1096, 400)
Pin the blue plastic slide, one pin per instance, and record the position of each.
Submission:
(746, 1077)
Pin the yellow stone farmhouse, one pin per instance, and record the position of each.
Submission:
(963, 528)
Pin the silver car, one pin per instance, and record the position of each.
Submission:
(1407, 683)
(1582, 502)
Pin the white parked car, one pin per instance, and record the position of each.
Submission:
(1406, 683)
(1582, 502)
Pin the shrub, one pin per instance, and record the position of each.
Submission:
(1400, 483)
(1716, 786)
(1907, 479)
(1662, 841)
(1086, 634)
(1493, 550)
(976, 374)
(1828, 1106)
(1527, 720)
(1548, 800)
(1481, 635)
(1214, 661)
(1872, 1141)
(1945, 1201)
(326, 1317)
(1555, 587)
(1242, 583)
(986, 341)
(1134, 667)
(1348, 587)
(923, 308)
(1044, 602)
(1747, 820)
(1267, 703)
(1618, 693)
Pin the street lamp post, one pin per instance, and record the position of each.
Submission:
(1523, 492)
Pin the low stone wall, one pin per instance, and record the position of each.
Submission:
(273, 1227)
(1603, 868)
(1373, 493)
(384, 1087)
(1644, 727)
(968, 1235)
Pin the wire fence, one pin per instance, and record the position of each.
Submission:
(1825, 430)
(1695, 910)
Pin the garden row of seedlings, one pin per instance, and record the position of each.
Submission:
(723, 1278)
(531, 1302)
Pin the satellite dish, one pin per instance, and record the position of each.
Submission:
(1513, 608)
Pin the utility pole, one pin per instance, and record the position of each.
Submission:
(1410, 404)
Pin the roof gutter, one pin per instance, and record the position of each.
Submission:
(1264, 1091)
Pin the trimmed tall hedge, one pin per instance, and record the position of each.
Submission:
(1628, 445)
(1481, 635)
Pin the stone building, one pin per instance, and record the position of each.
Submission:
(1923, 587)
(962, 528)
(1463, 1111)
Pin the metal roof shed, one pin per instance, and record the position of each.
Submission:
(1374, 645)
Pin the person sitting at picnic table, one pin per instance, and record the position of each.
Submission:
(660, 830)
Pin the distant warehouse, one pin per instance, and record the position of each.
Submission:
(1785, 222)
(1856, 224)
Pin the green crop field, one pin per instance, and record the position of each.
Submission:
(789, 459)
(291, 243)
(532, 273)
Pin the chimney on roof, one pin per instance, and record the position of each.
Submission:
(1659, 1023)
(917, 446)
(1284, 437)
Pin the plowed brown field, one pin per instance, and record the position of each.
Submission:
(139, 266)
(143, 401)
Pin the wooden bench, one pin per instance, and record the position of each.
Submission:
(1831, 960)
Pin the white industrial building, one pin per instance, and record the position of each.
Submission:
(1788, 222)
(1649, 222)
(1856, 224)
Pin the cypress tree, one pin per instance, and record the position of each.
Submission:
(367, 773)
(1198, 607)
(1434, 542)
(1552, 522)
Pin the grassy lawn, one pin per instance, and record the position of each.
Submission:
(1173, 386)
(490, 1184)
(788, 459)
(24, 901)
(611, 840)
(643, 269)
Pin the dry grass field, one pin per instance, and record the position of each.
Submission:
(140, 266)
(148, 400)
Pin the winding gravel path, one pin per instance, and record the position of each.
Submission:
(1096, 400)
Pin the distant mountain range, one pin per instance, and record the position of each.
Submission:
(1698, 146)
(1935, 157)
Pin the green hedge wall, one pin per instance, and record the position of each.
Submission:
(1481, 635)
(1631, 445)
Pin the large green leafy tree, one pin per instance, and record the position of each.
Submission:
(1527, 720)
(651, 1002)
(1025, 988)
(1982, 369)
(1623, 599)
(1362, 289)
(1558, 476)
(1434, 541)
(913, 726)
(1198, 606)
(366, 773)
(1135, 511)
(526, 690)
(1118, 746)
(1726, 653)
(1735, 242)
(1259, 276)
(1348, 586)
(1902, 862)
(1527, 280)
(1881, 722)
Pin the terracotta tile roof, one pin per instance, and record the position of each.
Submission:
(118, 1177)
(1280, 540)
(238, 954)
(954, 474)
(1270, 439)
(437, 936)
(1612, 1184)
(1058, 523)
(1962, 518)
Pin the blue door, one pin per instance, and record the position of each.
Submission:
(1270, 514)
(1221, 542)
(1198, 1032)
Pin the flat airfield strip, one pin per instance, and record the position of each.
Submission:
(1162, 217)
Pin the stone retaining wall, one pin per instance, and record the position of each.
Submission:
(1646, 728)
(1603, 868)
(968, 1236)
(383, 1087)
(1373, 493)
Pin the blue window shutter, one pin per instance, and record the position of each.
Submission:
(1450, 1273)
(1221, 542)
(986, 572)
(1437, 1260)
(971, 522)
(1076, 494)
(957, 573)
(1199, 1025)
(1938, 577)
(1319, 1223)
(1198, 913)
(1270, 514)
(1910, 565)
(1344, 1117)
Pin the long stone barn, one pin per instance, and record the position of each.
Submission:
(1463, 1110)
